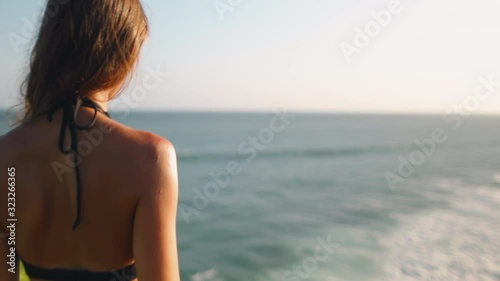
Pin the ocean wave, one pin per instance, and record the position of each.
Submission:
(209, 275)
(496, 180)
(460, 243)
(191, 156)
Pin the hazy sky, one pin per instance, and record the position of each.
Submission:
(261, 54)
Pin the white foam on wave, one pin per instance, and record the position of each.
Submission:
(460, 243)
(496, 179)
(209, 275)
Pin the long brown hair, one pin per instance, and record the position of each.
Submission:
(83, 46)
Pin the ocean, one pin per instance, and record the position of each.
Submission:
(334, 197)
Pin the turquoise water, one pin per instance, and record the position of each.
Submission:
(308, 199)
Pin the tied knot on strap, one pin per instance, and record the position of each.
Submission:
(70, 107)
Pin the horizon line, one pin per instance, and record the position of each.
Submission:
(295, 111)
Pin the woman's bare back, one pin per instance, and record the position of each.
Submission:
(119, 166)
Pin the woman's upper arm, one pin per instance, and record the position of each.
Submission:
(155, 241)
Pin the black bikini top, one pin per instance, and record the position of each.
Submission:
(68, 123)
(125, 274)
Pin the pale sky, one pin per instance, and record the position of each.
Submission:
(272, 54)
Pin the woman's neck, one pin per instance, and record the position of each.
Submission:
(101, 98)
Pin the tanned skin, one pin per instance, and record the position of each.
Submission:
(129, 199)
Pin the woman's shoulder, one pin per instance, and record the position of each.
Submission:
(152, 160)
(14, 138)
(149, 151)
(143, 143)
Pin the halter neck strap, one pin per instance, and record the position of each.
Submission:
(70, 107)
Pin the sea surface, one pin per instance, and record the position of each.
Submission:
(267, 196)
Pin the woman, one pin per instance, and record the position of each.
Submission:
(94, 199)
